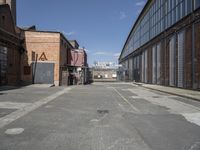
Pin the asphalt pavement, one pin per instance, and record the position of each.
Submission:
(101, 116)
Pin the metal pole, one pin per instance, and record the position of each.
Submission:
(34, 72)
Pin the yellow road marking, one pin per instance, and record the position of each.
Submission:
(131, 105)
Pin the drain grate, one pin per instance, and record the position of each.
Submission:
(102, 112)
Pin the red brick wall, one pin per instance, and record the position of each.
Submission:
(197, 55)
(39, 43)
(6, 21)
(188, 58)
(13, 71)
(77, 57)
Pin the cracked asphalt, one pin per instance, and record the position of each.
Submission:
(101, 116)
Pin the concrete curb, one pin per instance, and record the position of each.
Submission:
(184, 96)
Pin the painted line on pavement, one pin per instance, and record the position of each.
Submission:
(29, 108)
(13, 105)
(192, 117)
(131, 105)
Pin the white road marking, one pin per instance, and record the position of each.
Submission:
(189, 112)
(193, 118)
(134, 108)
(125, 90)
(99, 120)
(134, 97)
(14, 131)
(25, 110)
(49, 106)
(12, 105)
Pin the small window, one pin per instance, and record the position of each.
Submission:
(3, 18)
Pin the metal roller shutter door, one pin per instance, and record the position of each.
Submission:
(143, 68)
(154, 65)
(180, 58)
(158, 63)
(146, 66)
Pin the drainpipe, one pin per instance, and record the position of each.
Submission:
(193, 47)
(35, 65)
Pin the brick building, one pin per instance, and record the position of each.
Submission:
(30, 56)
(77, 65)
(10, 49)
(12, 4)
(163, 46)
(45, 60)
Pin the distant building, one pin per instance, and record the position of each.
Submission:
(163, 47)
(100, 74)
(77, 66)
(104, 71)
(104, 65)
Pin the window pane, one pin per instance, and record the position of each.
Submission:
(196, 4)
(188, 6)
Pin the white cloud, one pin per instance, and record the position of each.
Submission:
(122, 15)
(141, 3)
(101, 53)
(88, 51)
(104, 53)
(139, 11)
(70, 33)
(116, 55)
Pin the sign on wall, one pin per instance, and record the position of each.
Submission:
(43, 57)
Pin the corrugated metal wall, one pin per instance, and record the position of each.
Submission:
(154, 59)
(158, 64)
(181, 38)
(143, 67)
(172, 61)
(146, 66)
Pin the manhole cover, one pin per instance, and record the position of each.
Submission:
(14, 131)
(103, 111)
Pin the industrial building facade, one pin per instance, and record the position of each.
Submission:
(163, 46)
(45, 59)
(10, 49)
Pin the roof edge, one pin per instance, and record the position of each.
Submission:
(134, 25)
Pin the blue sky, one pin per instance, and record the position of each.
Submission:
(101, 26)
